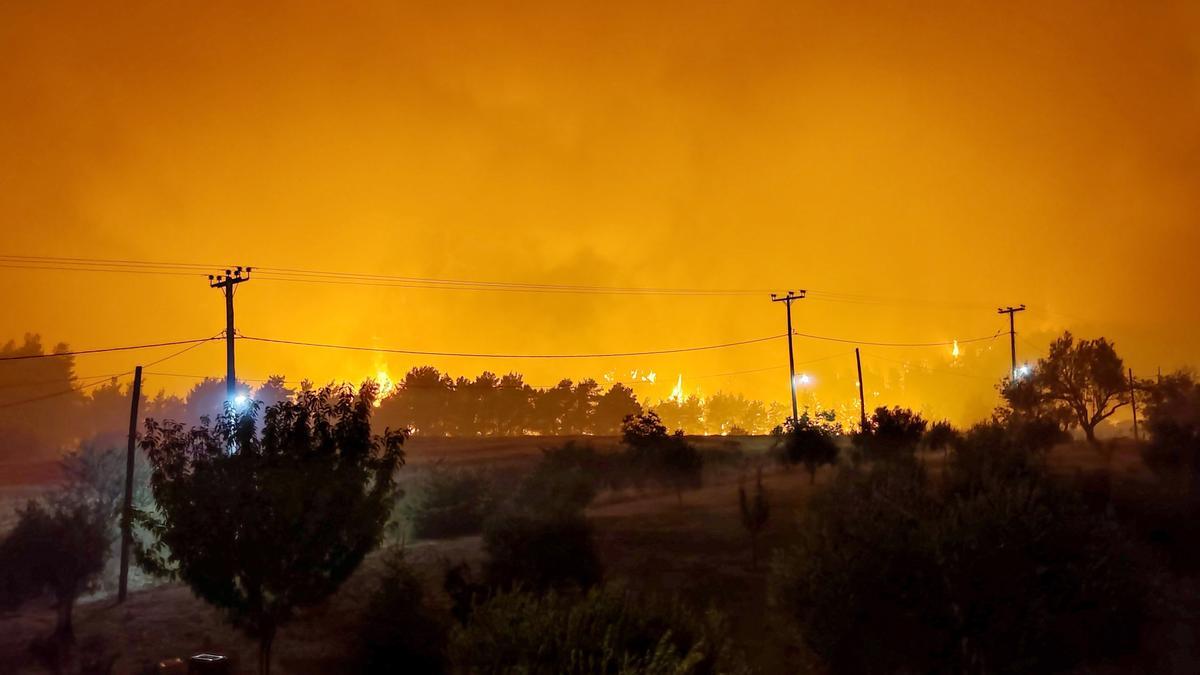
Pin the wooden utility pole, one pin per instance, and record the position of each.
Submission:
(787, 302)
(1133, 403)
(226, 283)
(1012, 336)
(862, 400)
(127, 505)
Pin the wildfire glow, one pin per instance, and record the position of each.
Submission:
(386, 385)
(677, 392)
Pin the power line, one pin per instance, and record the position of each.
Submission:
(79, 352)
(103, 378)
(947, 343)
(64, 392)
(417, 352)
(291, 274)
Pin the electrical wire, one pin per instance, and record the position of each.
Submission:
(947, 343)
(80, 352)
(417, 352)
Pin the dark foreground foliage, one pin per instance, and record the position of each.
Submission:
(58, 546)
(601, 632)
(449, 503)
(992, 570)
(401, 630)
(261, 524)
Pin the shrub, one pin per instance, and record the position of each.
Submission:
(604, 631)
(941, 436)
(890, 434)
(1012, 576)
(540, 550)
(540, 538)
(449, 503)
(401, 631)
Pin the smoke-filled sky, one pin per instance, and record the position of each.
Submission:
(920, 163)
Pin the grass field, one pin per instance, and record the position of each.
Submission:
(697, 550)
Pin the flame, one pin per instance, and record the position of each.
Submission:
(386, 385)
(954, 352)
(677, 392)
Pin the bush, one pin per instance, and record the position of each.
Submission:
(400, 631)
(941, 436)
(1012, 576)
(58, 546)
(890, 434)
(540, 538)
(449, 503)
(604, 631)
(566, 478)
(540, 550)
(810, 440)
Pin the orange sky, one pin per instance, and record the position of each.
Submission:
(942, 160)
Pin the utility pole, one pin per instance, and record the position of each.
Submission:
(1133, 404)
(127, 506)
(862, 400)
(1012, 335)
(226, 282)
(787, 302)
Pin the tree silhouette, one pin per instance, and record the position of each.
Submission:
(49, 403)
(613, 407)
(1173, 422)
(666, 458)
(1085, 379)
(755, 511)
(274, 391)
(260, 524)
(891, 433)
(811, 440)
(60, 546)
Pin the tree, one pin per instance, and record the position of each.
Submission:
(261, 524)
(58, 546)
(419, 402)
(755, 512)
(666, 458)
(1085, 379)
(612, 408)
(578, 417)
(46, 422)
(514, 405)
(1173, 423)
(682, 414)
(274, 391)
(811, 441)
(550, 408)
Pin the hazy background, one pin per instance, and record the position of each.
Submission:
(930, 161)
